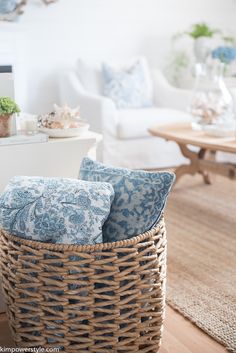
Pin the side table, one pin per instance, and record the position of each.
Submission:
(59, 157)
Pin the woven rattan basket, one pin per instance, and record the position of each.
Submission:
(105, 298)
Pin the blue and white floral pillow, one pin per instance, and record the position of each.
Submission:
(55, 210)
(140, 198)
(128, 88)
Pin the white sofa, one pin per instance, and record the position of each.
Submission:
(126, 141)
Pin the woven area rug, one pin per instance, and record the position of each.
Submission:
(201, 226)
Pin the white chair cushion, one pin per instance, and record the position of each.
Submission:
(134, 123)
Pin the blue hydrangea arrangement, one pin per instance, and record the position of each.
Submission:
(224, 54)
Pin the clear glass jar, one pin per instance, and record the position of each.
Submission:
(212, 103)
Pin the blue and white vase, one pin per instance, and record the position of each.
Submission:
(7, 6)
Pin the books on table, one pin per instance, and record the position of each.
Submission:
(23, 139)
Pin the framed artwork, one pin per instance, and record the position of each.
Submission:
(11, 9)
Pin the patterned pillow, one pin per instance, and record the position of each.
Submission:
(128, 88)
(55, 210)
(140, 198)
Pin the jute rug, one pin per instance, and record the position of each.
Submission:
(201, 226)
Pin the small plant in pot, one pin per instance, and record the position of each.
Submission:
(204, 39)
(7, 109)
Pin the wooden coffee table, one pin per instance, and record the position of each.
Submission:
(203, 161)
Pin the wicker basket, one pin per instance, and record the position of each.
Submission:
(105, 298)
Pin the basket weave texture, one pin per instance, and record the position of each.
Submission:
(86, 298)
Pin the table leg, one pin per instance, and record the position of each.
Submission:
(194, 166)
(188, 168)
(210, 156)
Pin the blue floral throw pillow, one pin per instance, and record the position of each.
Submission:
(128, 88)
(140, 198)
(55, 210)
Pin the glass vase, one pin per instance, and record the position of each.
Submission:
(212, 103)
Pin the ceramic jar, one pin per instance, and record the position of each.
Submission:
(6, 125)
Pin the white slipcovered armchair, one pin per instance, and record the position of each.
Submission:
(126, 141)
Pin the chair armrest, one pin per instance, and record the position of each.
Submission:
(100, 112)
(233, 93)
(168, 96)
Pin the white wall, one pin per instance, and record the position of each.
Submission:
(46, 39)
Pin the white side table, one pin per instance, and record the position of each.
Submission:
(59, 157)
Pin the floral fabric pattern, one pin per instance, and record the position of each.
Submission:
(56, 210)
(140, 198)
(127, 88)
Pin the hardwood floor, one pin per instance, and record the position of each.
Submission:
(180, 336)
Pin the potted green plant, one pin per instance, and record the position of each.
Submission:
(200, 30)
(203, 37)
(7, 109)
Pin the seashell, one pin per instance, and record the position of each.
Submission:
(61, 118)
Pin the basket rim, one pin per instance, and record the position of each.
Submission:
(87, 247)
